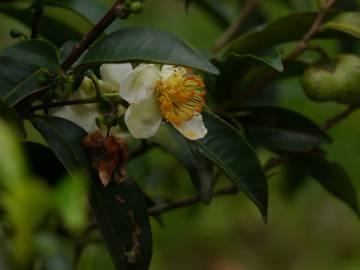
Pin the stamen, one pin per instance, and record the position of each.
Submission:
(181, 95)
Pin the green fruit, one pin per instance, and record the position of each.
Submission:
(337, 80)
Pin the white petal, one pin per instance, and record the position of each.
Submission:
(167, 71)
(114, 73)
(144, 118)
(83, 115)
(193, 129)
(139, 84)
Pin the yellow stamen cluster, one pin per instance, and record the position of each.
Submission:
(181, 96)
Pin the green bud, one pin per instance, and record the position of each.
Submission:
(100, 123)
(136, 7)
(15, 33)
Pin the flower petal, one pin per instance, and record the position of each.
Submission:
(193, 129)
(167, 71)
(144, 118)
(114, 73)
(83, 115)
(139, 84)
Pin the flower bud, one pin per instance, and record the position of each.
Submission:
(136, 7)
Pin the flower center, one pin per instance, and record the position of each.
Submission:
(181, 96)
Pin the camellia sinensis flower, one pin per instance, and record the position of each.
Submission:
(172, 93)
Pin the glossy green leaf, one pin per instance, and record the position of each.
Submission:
(291, 27)
(91, 10)
(55, 30)
(17, 80)
(281, 129)
(288, 28)
(34, 52)
(120, 209)
(199, 168)
(273, 61)
(224, 146)
(146, 45)
(332, 177)
(347, 22)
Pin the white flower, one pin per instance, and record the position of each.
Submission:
(172, 93)
(84, 115)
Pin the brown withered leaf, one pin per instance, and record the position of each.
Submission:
(108, 156)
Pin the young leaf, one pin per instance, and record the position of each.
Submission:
(17, 80)
(34, 52)
(55, 30)
(147, 45)
(285, 29)
(224, 146)
(199, 168)
(120, 209)
(281, 129)
(347, 22)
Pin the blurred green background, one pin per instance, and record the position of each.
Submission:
(308, 231)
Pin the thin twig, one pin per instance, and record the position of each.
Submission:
(331, 122)
(162, 208)
(228, 190)
(235, 27)
(299, 49)
(64, 103)
(93, 34)
(39, 11)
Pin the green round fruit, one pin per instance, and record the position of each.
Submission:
(337, 80)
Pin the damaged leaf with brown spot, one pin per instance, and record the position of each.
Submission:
(108, 156)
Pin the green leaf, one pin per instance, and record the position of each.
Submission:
(34, 52)
(53, 29)
(199, 168)
(291, 27)
(12, 118)
(347, 22)
(120, 209)
(224, 146)
(17, 80)
(146, 45)
(274, 61)
(332, 177)
(91, 10)
(281, 129)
